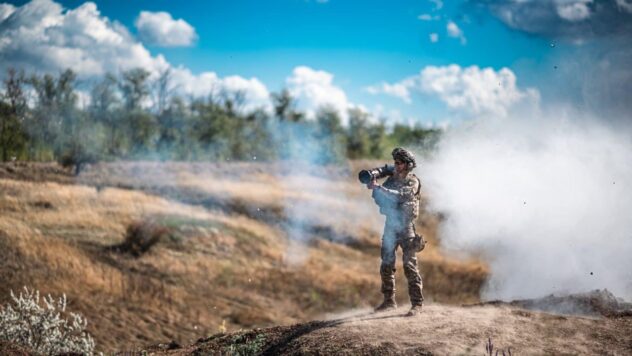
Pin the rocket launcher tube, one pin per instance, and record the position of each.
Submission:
(367, 175)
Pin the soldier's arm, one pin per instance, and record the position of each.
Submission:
(404, 194)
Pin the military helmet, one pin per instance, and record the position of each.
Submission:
(404, 155)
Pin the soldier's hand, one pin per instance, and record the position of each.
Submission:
(372, 184)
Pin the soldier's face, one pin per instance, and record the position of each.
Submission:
(400, 167)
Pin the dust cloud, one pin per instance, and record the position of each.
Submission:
(545, 199)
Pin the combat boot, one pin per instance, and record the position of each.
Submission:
(387, 304)
(414, 311)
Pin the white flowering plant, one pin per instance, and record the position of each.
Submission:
(41, 327)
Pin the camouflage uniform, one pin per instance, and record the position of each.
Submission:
(398, 199)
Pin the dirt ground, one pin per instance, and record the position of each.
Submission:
(439, 330)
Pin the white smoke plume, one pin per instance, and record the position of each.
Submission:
(545, 199)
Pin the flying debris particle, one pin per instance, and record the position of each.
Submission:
(254, 158)
(524, 203)
(552, 45)
(249, 280)
(613, 182)
(591, 273)
(554, 67)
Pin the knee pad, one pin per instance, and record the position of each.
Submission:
(387, 269)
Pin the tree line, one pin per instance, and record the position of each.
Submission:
(133, 116)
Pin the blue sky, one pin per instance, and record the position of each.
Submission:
(362, 44)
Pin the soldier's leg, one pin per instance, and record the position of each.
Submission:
(387, 269)
(411, 271)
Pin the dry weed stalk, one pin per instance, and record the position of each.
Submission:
(489, 349)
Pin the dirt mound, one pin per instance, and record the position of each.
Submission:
(440, 329)
(593, 303)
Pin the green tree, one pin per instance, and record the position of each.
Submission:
(330, 135)
(80, 142)
(285, 107)
(13, 109)
(105, 108)
(358, 137)
(44, 125)
(415, 136)
(141, 125)
(378, 146)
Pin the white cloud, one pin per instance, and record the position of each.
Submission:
(434, 37)
(475, 90)
(159, 28)
(6, 10)
(255, 93)
(471, 90)
(428, 17)
(314, 89)
(573, 10)
(455, 31)
(400, 90)
(625, 5)
(41, 36)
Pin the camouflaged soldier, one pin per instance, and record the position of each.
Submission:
(398, 199)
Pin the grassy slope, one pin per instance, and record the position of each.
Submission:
(228, 262)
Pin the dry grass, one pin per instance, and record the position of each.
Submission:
(221, 265)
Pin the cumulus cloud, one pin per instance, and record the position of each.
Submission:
(471, 90)
(159, 28)
(41, 36)
(314, 89)
(573, 10)
(475, 90)
(255, 93)
(566, 19)
(456, 32)
(6, 10)
(597, 75)
(400, 90)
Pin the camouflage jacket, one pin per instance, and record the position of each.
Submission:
(398, 199)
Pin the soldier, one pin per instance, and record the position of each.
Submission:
(398, 199)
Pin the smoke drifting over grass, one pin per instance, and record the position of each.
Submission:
(545, 200)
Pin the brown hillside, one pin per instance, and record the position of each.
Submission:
(223, 257)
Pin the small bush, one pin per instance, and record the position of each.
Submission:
(141, 236)
(243, 345)
(26, 322)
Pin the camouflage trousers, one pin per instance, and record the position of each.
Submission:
(392, 239)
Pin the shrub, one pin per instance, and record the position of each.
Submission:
(42, 328)
(246, 345)
(141, 236)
